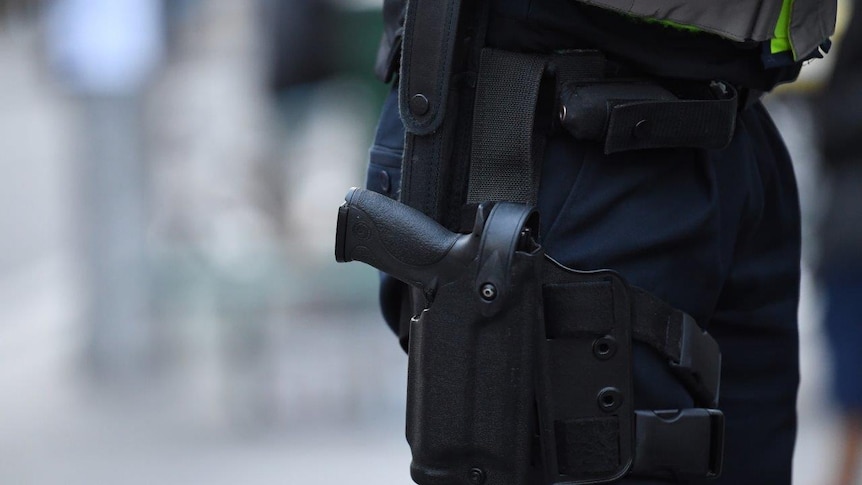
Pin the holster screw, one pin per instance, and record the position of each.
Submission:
(609, 399)
(488, 292)
(477, 476)
(605, 347)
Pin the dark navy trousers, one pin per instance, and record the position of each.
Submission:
(714, 233)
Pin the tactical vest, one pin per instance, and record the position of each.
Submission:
(798, 25)
(808, 22)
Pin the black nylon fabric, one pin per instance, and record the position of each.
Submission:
(502, 164)
(657, 324)
(588, 444)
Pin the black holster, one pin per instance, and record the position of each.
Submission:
(520, 369)
(520, 372)
(505, 384)
(472, 365)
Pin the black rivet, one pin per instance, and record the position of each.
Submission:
(609, 399)
(383, 179)
(605, 347)
(476, 476)
(641, 131)
(419, 104)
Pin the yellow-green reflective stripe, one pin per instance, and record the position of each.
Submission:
(781, 41)
(671, 23)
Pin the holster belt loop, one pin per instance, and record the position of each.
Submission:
(504, 157)
(685, 444)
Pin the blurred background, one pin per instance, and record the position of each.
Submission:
(170, 308)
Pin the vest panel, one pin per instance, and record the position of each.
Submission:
(811, 21)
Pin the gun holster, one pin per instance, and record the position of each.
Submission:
(520, 369)
(507, 373)
(473, 362)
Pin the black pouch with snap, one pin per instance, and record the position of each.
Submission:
(634, 115)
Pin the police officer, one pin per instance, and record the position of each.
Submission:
(714, 233)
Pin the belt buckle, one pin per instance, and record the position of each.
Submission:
(687, 443)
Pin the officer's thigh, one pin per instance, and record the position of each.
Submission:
(716, 234)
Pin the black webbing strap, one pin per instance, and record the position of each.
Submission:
(430, 32)
(678, 444)
(440, 56)
(578, 65)
(505, 151)
(692, 353)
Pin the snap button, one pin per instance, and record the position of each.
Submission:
(419, 104)
(641, 131)
(383, 180)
